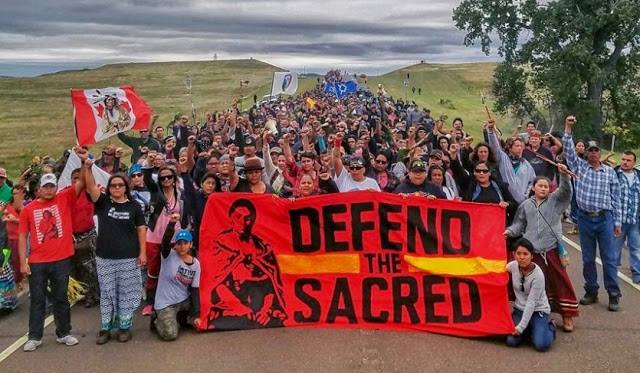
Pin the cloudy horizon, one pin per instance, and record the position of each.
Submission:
(40, 36)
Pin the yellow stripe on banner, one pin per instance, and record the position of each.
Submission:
(317, 264)
(455, 266)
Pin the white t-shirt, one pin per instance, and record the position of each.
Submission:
(346, 183)
(631, 176)
(175, 279)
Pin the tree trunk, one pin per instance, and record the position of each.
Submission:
(594, 95)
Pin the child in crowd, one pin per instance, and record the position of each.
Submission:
(177, 300)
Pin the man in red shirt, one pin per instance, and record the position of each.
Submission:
(47, 220)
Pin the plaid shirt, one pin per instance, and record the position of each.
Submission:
(596, 189)
(629, 197)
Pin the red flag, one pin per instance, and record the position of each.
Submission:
(102, 113)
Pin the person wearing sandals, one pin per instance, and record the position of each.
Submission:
(120, 251)
(531, 310)
(538, 219)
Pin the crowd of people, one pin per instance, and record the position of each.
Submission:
(150, 211)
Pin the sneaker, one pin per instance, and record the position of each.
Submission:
(147, 310)
(124, 336)
(614, 304)
(103, 337)
(31, 345)
(68, 340)
(589, 298)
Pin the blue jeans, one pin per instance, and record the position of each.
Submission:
(542, 331)
(57, 275)
(630, 232)
(597, 231)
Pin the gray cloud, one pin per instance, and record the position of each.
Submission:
(365, 35)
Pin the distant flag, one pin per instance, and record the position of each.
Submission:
(310, 103)
(330, 88)
(284, 83)
(344, 88)
(105, 112)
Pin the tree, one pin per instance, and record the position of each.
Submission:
(562, 56)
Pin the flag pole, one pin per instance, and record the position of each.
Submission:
(273, 77)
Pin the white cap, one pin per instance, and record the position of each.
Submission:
(48, 179)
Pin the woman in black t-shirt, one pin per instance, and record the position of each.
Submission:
(120, 251)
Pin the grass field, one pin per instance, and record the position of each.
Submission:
(37, 116)
(452, 90)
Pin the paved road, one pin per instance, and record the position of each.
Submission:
(603, 341)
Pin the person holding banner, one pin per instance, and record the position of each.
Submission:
(538, 219)
(355, 178)
(531, 311)
(416, 182)
(120, 252)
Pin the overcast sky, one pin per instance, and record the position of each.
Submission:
(372, 36)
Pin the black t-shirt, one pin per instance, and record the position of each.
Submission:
(488, 195)
(117, 228)
(541, 167)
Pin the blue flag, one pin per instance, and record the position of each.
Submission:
(344, 88)
(330, 88)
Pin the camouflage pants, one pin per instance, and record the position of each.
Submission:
(167, 321)
(83, 267)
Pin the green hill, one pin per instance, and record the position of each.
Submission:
(36, 118)
(452, 90)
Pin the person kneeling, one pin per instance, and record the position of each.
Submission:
(177, 301)
(531, 311)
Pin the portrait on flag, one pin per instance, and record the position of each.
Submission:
(284, 83)
(105, 112)
(247, 290)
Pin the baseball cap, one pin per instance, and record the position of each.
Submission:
(418, 165)
(184, 235)
(3, 172)
(356, 161)
(47, 179)
(276, 150)
(135, 168)
(592, 144)
(249, 141)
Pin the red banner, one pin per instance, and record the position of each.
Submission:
(105, 112)
(359, 259)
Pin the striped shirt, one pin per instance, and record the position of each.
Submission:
(596, 189)
(629, 196)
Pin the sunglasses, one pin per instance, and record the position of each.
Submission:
(481, 171)
(136, 175)
(381, 161)
(117, 185)
(109, 154)
(522, 283)
(166, 177)
(356, 168)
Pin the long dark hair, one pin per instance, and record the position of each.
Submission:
(125, 180)
(176, 193)
(474, 155)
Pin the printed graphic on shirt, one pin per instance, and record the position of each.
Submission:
(185, 276)
(120, 215)
(48, 223)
